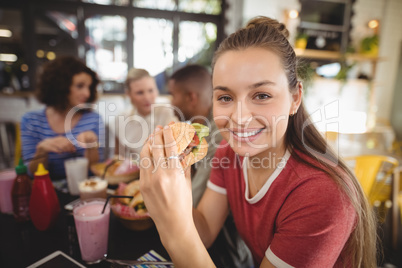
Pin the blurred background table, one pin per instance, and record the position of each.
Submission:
(21, 244)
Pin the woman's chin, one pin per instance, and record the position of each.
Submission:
(245, 149)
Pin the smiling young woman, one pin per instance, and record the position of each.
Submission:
(49, 135)
(294, 202)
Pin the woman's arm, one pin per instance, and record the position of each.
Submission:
(40, 156)
(89, 141)
(117, 146)
(58, 144)
(92, 154)
(35, 149)
(266, 263)
(210, 215)
(167, 195)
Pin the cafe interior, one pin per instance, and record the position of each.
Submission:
(350, 58)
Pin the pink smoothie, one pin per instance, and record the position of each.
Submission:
(92, 230)
(6, 185)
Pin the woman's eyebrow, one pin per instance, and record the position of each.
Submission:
(253, 86)
(221, 88)
(262, 83)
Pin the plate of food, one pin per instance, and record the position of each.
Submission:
(131, 212)
(116, 171)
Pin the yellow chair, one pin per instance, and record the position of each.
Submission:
(17, 147)
(332, 138)
(397, 147)
(374, 173)
(378, 177)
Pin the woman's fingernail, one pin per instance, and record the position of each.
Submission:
(166, 127)
(157, 129)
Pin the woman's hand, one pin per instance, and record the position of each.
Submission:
(167, 194)
(163, 183)
(58, 144)
(87, 139)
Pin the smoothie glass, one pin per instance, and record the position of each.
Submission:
(92, 229)
(7, 178)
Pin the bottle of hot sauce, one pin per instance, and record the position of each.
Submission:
(21, 192)
(44, 205)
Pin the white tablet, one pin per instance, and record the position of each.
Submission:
(57, 259)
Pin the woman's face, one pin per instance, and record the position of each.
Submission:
(143, 93)
(80, 89)
(251, 101)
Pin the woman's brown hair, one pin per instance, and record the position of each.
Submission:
(302, 136)
(56, 78)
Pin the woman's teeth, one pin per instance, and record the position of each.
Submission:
(247, 134)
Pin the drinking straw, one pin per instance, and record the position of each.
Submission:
(114, 196)
(106, 168)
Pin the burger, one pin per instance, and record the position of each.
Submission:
(190, 142)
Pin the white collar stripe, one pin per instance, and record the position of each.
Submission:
(261, 193)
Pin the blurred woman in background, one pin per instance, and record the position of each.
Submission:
(134, 126)
(66, 127)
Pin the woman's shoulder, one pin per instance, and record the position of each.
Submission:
(90, 116)
(34, 115)
(163, 108)
(307, 170)
(91, 113)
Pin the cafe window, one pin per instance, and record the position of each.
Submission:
(55, 34)
(13, 66)
(108, 2)
(200, 51)
(106, 47)
(156, 4)
(112, 36)
(201, 6)
(153, 44)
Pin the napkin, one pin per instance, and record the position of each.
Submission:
(152, 256)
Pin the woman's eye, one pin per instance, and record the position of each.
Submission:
(262, 96)
(224, 99)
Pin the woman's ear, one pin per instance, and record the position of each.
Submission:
(297, 98)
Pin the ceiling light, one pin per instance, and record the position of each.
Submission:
(293, 14)
(8, 57)
(40, 53)
(50, 55)
(373, 24)
(24, 67)
(5, 33)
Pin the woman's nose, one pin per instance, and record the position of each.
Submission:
(87, 92)
(149, 97)
(242, 114)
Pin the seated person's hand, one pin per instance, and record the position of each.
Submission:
(58, 144)
(87, 139)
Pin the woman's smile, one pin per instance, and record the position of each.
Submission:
(246, 135)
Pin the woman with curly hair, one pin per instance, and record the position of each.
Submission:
(66, 127)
